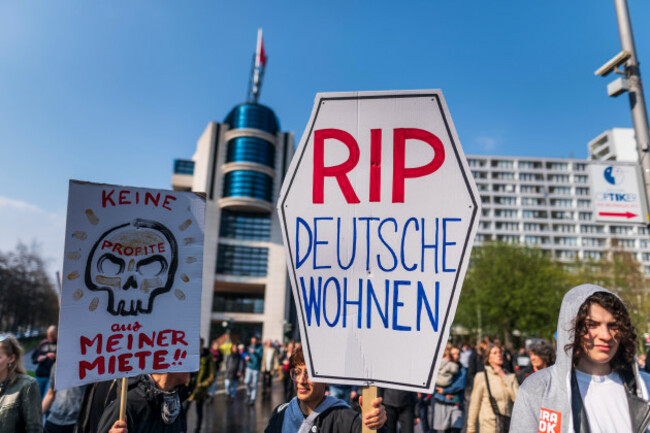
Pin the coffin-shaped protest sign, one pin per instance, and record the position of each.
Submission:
(379, 212)
(131, 293)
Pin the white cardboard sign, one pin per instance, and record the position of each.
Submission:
(379, 212)
(131, 293)
(616, 193)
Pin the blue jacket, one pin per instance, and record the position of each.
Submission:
(255, 361)
(457, 388)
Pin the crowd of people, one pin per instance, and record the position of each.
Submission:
(589, 380)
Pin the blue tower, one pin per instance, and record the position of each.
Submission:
(240, 164)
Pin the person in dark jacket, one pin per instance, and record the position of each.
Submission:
(153, 406)
(234, 369)
(400, 407)
(44, 356)
(542, 355)
(312, 411)
(204, 379)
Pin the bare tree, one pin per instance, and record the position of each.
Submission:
(28, 299)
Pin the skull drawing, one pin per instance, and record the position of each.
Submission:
(133, 263)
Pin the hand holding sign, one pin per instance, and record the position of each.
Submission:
(131, 294)
(379, 213)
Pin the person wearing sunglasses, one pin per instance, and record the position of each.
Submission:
(312, 411)
(20, 399)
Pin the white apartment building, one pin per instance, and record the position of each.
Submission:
(616, 144)
(547, 203)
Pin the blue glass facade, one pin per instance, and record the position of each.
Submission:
(249, 226)
(252, 184)
(251, 149)
(253, 116)
(249, 183)
(183, 166)
(242, 261)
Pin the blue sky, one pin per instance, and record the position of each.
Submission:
(114, 91)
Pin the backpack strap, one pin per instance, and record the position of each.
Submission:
(277, 418)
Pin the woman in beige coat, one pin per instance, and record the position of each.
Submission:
(503, 387)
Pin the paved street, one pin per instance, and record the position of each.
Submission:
(223, 416)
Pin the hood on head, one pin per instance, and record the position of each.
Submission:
(571, 303)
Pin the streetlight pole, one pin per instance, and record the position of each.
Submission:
(637, 101)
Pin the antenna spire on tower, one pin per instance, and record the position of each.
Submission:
(257, 71)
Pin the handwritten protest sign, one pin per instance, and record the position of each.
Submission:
(379, 212)
(130, 301)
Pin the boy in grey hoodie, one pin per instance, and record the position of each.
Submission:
(595, 352)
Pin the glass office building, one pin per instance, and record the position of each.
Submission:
(240, 164)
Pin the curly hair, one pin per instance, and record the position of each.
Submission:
(625, 333)
(545, 352)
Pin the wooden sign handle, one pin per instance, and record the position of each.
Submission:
(369, 394)
(123, 389)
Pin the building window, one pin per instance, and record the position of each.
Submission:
(592, 229)
(557, 166)
(532, 240)
(558, 178)
(251, 149)
(245, 183)
(529, 165)
(584, 216)
(626, 243)
(584, 203)
(532, 201)
(245, 225)
(505, 201)
(503, 164)
(620, 230)
(560, 190)
(503, 175)
(510, 239)
(505, 213)
(479, 174)
(566, 241)
(579, 166)
(593, 242)
(183, 166)
(562, 215)
(506, 226)
(580, 178)
(530, 189)
(562, 202)
(243, 261)
(564, 228)
(593, 255)
(582, 190)
(565, 255)
(239, 303)
(253, 116)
